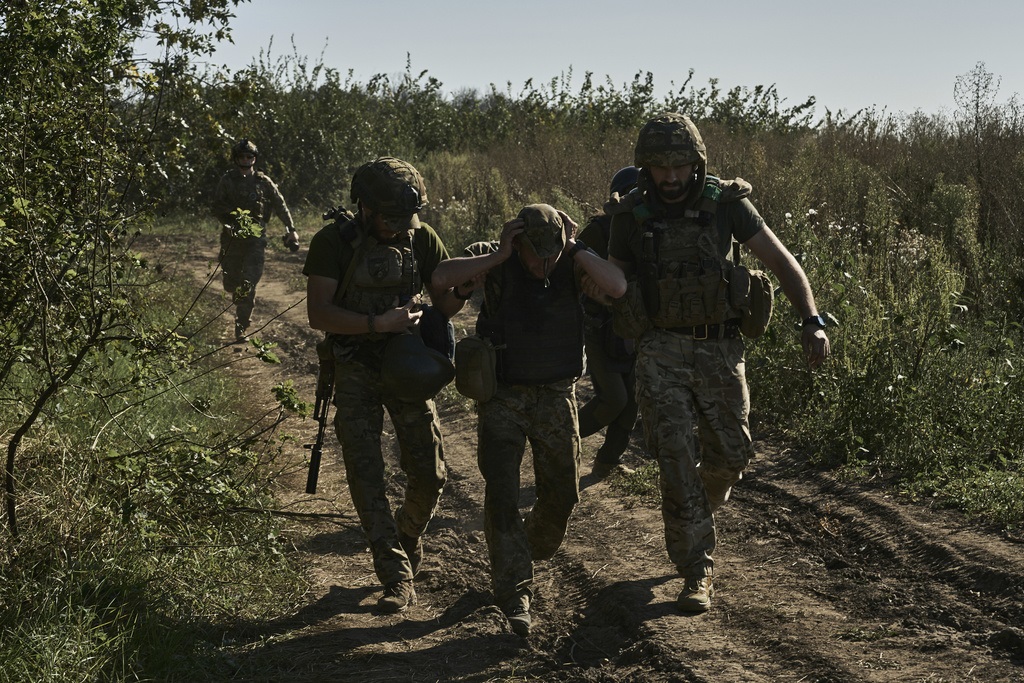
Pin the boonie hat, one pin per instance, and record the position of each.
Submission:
(544, 229)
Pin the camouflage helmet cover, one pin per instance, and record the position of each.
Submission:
(389, 186)
(412, 371)
(244, 146)
(544, 229)
(669, 139)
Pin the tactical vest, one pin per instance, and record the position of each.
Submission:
(251, 193)
(538, 330)
(684, 276)
(380, 274)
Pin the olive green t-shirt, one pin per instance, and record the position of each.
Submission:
(593, 234)
(330, 254)
(737, 220)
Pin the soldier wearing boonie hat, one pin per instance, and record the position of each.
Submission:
(686, 306)
(531, 314)
(366, 273)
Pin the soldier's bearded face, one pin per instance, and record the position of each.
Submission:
(672, 182)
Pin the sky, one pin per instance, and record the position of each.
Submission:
(893, 55)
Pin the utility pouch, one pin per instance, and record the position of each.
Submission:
(758, 313)
(629, 313)
(476, 368)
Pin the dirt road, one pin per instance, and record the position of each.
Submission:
(817, 579)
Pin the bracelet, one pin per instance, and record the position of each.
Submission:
(460, 297)
(369, 323)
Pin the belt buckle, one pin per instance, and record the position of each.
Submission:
(696, 334)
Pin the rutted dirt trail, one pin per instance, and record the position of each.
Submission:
(816, 579)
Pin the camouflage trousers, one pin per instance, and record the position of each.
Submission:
(614, 403)
(545, 416)
(241, 263)
(359, 423)
(686, 387)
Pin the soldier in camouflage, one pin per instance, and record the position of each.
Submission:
(610, 358)
(532, 313)
(243, 203)
(365, 275)
(672, 237)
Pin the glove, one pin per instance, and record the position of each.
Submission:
(291, 240)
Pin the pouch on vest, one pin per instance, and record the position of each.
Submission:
(629, 313)
(758, 313)
(476, 368)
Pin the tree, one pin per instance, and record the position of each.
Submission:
(72, 184)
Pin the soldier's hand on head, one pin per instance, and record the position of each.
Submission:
(569, 226)
(509, 232)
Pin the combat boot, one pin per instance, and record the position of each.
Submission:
(696, 594)
(517, 610)
(239, 332)
(397, 596)
(413, 547)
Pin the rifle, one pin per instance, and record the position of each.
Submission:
(324, 391)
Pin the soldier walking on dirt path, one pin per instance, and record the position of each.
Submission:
(532, 315)
(673, 235)
(243, 203)
(365, 276)
(610, 358)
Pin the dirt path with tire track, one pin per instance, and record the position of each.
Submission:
(817, 579)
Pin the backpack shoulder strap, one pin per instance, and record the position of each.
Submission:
(349, 230)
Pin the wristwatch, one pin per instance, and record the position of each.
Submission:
(577, 247)
(818, 320)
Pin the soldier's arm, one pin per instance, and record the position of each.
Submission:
(445, 300)
(325, 315)
(466, 271)
(606, 276)
(625, 266)
(602, 275)
(279, 206)
(773, 254)
(221, 207)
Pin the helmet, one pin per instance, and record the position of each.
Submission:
(243, 146)
(413, 372)
(391, 187)
(669, 139)
(624, 180)
(544, 230)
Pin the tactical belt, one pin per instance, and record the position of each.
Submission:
(727, 330)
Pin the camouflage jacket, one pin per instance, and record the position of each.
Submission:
(256, 194)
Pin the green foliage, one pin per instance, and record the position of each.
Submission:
(916, 380)
(288, 396)
(126, 468)
(641, 485)
(135, 501)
